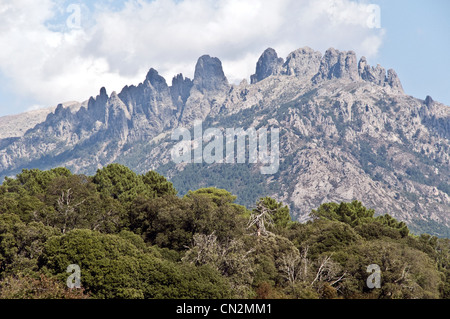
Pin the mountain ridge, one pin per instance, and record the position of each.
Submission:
(343, 123)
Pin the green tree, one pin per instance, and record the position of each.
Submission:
(113, 267)
(158, 183)
(21, 244)
(219, 196)
(34, 181)
(406, 273)
(166, 221)
(280, 212)
(171, 222)
(74, 202)
(391, 222)
(355, 214)
(121, 183)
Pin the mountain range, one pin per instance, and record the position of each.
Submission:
(347, 131)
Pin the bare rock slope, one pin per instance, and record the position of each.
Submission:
(348, 131)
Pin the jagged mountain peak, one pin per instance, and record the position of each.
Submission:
(308, 64)
(103, 92)
(59, 109)
(429, 101)
(349, 132)
(303, 62)
(180, 89)
(209, 75)
(156, 80)
(268, 64)
(337, 64)
(378, 75)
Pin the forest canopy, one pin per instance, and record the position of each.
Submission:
(133, 237)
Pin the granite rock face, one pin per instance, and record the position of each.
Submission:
(180, 91)
(375, 75)
(156, 80)
(378, 75)
(347, 132)
(209, 75)
(304, 62)
(268, 64)
(393, 80)
(338, 65)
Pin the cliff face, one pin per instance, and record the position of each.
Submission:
(348, 131)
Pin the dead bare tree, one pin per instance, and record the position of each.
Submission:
(305, 261)
(328, 271)
(66, 209)
(207, 250)
(260, 217)
(404, 276)
(231, 258)
(291, 267)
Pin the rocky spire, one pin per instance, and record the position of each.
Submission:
(180, 92)
(268, 64)
(117, 117)
(97, 106)
(393, 80)
(375, 75)
(378, 75)
(429, 101)
(304, 62)
(156, 80)
(338, 65)
(181, 88)
(209, 75)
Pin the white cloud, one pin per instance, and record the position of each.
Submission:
(51, 66)
(35, 107)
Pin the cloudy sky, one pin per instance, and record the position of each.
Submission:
(54, 51)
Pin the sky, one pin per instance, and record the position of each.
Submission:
(54, 51)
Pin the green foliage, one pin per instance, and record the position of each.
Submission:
(280, 213)
(376, 230)
(355, 214)
(165, 221)
(391, 222)
(171, 222)
(113, 267)
(406, 272)
(238, 179)
(231, 258)
(35, 181)
(219, 196)
(158, 184)
(20, 244)
(121, 183)
(134, 238)
(269, 252)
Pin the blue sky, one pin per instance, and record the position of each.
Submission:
(45, 60)
(417, 45)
